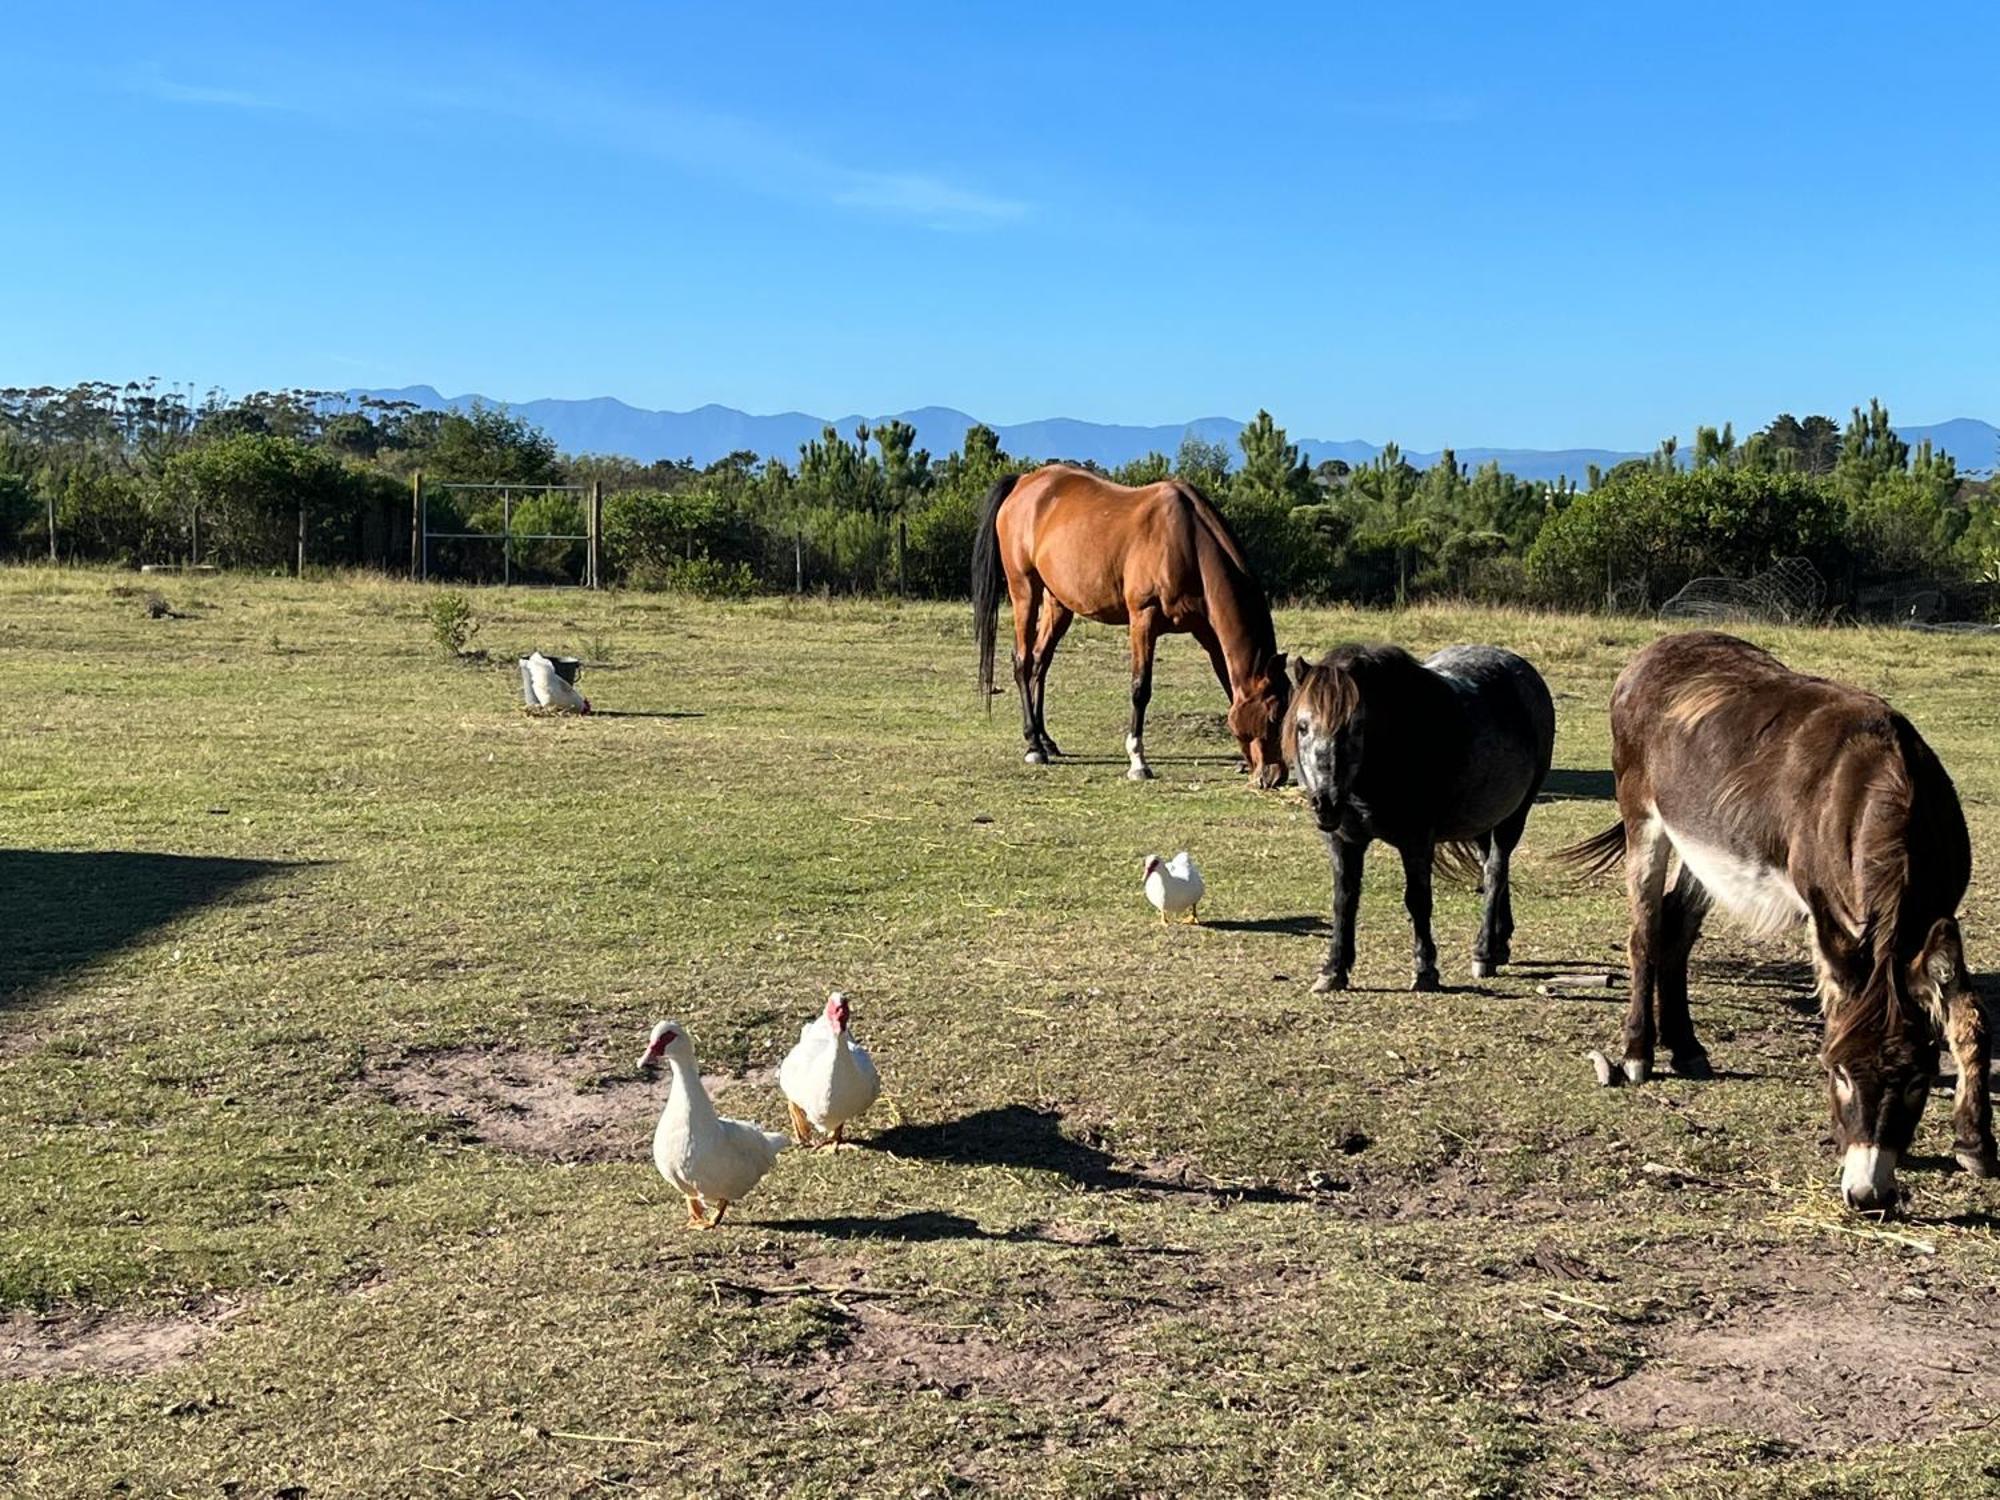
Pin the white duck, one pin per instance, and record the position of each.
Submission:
(708, 1160)
(549, 688)
(1174, 886)
(828, 1078)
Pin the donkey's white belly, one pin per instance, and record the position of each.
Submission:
(1756, 894)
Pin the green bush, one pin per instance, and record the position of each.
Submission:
(1641, 536)
(452, 622)
(708, 579)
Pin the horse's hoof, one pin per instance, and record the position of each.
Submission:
(1637, 1070)
(1328, 982)
(1481, 969)
(1139, 773)
(1693, 1065)
(1608, 1077)
(1978, 1163)
(1426, 982)
(1035, 758)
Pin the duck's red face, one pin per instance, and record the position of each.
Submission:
(656, 1047)
(836, 1012)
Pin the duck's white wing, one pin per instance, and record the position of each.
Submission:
(803, 1074)
(746, 1153)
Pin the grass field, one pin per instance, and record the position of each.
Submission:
(324, 1171)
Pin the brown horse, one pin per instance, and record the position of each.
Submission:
(1790, 800)
(1157, 559)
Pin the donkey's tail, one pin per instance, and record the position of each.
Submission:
(989, 581)
(1597, 854)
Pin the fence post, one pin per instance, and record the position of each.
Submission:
(596, 531)
(416, 526)
(302, 541)
(902, 552)
(52, 525)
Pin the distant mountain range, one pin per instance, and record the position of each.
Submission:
(607, 425)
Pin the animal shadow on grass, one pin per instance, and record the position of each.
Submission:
(67, 910)
(1018, 1136)
(1578, 786)
(647, 713)
(917, 1227)
(1306, 925)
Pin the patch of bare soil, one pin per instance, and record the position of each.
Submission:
(35, 1347)
(1822, 1371)
(570, 1107)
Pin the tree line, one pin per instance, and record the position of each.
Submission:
(137, 473)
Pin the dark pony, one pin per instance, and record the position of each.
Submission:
(1790, 800)
(1441, 759)
(1160, 560)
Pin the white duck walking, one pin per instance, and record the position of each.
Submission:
(550, 689)
(1174, 886)
(708, 1160)
(828, 1078)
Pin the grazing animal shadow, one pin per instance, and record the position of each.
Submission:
(1578, 786)
(64, 911)
(1015, 1135)
(1300, 926)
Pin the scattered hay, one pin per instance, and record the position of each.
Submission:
(1820, 1371)
(571, 1107)
(35, 1347)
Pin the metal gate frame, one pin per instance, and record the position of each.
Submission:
(421, 534)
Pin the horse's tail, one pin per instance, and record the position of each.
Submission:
(1460, 861)
(1595, 855)
(989, 580)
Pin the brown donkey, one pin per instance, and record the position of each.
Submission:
(1159, 559)
(1794, 800)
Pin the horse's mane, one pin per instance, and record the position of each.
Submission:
(1332, 689)
(1217, 526)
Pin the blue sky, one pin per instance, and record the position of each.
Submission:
(1522, 224)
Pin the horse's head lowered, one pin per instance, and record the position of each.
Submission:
(1257, 719)
(1881, 1060)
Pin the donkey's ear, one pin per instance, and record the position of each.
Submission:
(1943, 955)
(1300, 668)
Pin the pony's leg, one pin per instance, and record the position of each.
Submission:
(1682, 910)
(1494, 945)
(1345, 858)
(1055, 624)
(1972, 1105)
(1646, 852)
(1027, 597)
(1145, 636)
(1417, 860)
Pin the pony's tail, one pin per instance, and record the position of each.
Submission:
(1595, 855)
(989, 581)
(1460, 862)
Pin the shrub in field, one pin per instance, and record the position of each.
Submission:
(452, 622)
(1642, 535)
(708, 579)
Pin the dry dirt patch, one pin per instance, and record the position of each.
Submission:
(34, 1347)
(570, 1107)
(1823, 1372)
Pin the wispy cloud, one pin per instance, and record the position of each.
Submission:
(155, 85)
(726, 147)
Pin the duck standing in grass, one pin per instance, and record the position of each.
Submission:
(828, 1078)
(708, 1160)
(1174, 886)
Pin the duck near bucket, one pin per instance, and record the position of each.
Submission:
(548, 685)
